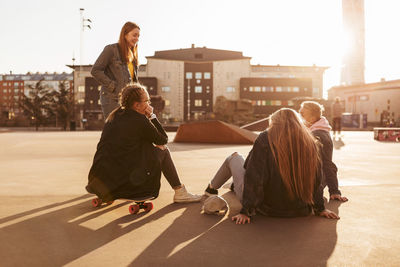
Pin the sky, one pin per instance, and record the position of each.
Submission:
(44, 35)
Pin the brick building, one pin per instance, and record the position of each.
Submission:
(14, 86)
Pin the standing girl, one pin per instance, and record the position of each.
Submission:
(117, 66)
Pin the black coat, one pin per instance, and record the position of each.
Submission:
(329, 168)
(264, 191)
(125, 164)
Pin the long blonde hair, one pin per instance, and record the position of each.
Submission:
(295, 151)
(130, 94)
(123, 46)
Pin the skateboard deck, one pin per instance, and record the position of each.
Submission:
(141, 203)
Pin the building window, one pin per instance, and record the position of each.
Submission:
(81, 88)
(189, 75)
(198, 56)
(98, 102)
(207, 75)
(166, 89)
(198, 81)
(198, 89)
(315, 91)
(290, 103)
(167, 102)
(230, 89)
(99, 87)
(4, 90)
(91, 102)
(81, 101)
(198, 102)
(278, 89)
(296, 89)
(257, 89)
(198, 75)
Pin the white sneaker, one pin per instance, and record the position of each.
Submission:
(183, 196)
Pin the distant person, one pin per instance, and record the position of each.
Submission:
(337, 116)
(319, 126)
(280, 176)
(117, 66)
(132, 153)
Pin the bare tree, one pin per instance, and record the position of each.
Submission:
(62, 104)
(37, 105)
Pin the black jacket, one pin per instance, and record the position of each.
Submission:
(329, 168)
(264, 191)
(125, 164)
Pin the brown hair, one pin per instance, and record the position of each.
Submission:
(315, 108)
(130, 94)
(295, 151)
(123, 47)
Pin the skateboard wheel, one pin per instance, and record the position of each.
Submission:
(96, 202)
(133, 209)
(148, 207)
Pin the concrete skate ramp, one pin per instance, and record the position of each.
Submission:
(216, 132)
(259, 125)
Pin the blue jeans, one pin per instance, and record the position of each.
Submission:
(108, 102)
(232, 167)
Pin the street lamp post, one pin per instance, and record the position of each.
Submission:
(85, 23)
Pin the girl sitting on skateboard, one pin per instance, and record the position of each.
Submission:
(281, 175)
(311, 112)
(132, 153)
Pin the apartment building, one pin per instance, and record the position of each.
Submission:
(377, 100)
(191, 79)
(14, 86)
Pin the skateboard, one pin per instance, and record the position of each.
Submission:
(133, 209)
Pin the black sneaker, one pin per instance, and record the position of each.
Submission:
(210, 191)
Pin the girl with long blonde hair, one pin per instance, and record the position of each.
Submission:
(281, 175)
(117, 66)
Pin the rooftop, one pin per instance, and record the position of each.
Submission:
(199, 54)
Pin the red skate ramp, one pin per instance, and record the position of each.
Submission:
(216, 132)
(259, 125)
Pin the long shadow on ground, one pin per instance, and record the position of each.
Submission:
(307, 241)
(58, 237)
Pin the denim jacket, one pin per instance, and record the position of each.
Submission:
(111, 72)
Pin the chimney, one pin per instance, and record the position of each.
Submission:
(192, 45)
